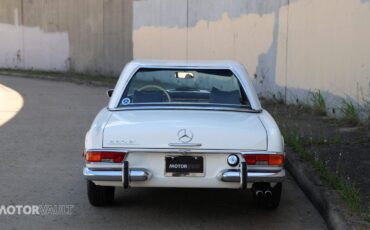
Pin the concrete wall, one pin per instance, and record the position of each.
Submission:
(89, 36)
(290, 47)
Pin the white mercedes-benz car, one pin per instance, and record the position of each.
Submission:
(190, 124)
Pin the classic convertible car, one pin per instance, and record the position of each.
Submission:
(185, 125)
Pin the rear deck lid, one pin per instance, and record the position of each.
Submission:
(200, 129)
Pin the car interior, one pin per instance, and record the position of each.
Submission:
(184, 86)
(216, 96)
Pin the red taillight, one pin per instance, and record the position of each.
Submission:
(250, 159)
(264, 159)
(105, 156)
(276, 159)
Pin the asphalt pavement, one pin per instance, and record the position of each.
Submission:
(42, 128)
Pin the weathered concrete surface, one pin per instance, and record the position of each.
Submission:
(42, 164)
(291, 47)
(89, 36)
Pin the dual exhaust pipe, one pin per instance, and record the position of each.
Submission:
(267, 193)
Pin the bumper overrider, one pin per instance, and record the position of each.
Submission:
(121, 173)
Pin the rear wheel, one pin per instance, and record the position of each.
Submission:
(99, 195)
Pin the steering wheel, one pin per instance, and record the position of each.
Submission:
(156, 87)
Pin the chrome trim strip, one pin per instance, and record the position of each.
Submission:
(264, 168)
(184, 144)
(184, 107)
(105, 150)
(96, 166)
(180, 150)
(259, 152)
(175, 150)
(242, 151)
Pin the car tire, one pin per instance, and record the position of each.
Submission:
(273, 202)
(99, 195)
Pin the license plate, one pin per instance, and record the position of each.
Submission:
(184, 166)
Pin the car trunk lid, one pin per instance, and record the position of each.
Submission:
(200, 129)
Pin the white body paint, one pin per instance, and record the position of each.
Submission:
(149, 134)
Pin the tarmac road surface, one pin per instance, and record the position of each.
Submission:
(42, 128)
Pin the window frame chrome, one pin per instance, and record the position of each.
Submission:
(141, 107)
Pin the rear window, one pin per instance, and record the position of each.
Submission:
(194, 87)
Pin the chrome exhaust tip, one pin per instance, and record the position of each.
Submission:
(268, 193)
(259, 193)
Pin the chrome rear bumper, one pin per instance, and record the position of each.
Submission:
(234, 175)
(99, 175)
(140, 174)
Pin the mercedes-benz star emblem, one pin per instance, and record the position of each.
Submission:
(185, 135)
